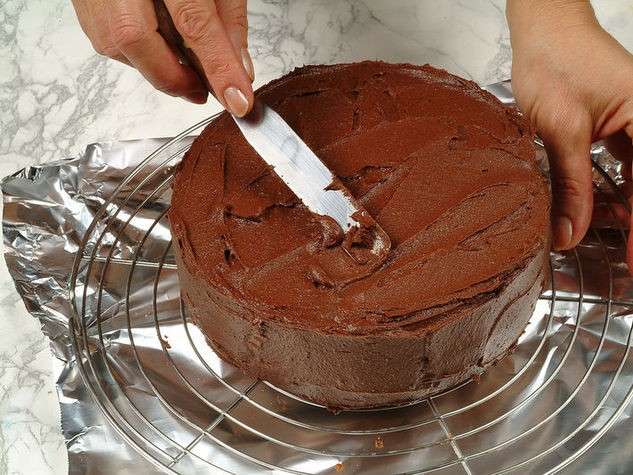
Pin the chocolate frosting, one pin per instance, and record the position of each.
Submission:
(442, 166)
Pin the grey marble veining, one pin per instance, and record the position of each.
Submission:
(57, 95)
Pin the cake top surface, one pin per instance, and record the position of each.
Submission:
(444, 167)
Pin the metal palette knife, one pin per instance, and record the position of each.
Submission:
(306, 175)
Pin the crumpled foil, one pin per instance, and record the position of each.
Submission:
(88, 245)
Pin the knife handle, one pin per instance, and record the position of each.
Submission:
(172, 36)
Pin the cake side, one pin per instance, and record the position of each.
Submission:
(362, 371)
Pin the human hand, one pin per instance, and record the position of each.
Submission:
(216, 31)
(575, 83)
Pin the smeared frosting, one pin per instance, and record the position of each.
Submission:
(446, 170)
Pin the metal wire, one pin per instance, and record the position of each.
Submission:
(95, 364)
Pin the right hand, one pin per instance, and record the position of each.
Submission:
(575, 83)
(216, 31)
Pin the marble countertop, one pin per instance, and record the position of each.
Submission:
(57, 96)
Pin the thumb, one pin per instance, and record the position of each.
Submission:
(568, 149)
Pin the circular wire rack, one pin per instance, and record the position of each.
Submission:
(173, 400)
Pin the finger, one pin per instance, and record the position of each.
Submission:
(97, 32)
(629, 247)
(568, 145)
(133, 28)
(609, 206)
(609, 214)
(623, 151)
(233, 15)
(620, 147)
(203, 32)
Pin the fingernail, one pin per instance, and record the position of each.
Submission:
(248, 64)
(197, 97)
(236, 102)
(563, 231)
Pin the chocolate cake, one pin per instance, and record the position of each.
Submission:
(447, 171)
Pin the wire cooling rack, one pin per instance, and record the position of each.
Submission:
(169, 396)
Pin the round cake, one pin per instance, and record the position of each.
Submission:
(447, 171)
